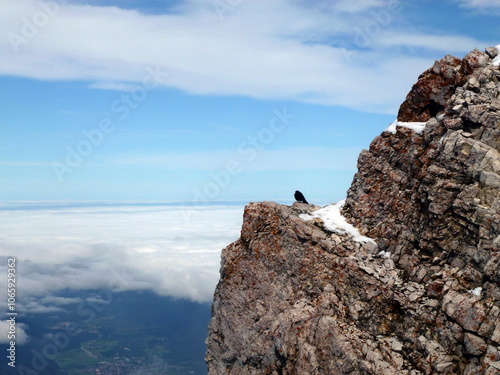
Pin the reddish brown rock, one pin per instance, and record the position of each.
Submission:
(297, 298)
(435, 289)
(449, 192)
(434, 87)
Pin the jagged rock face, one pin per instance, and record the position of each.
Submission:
(435, 86)
(295, 298)
(432, 200)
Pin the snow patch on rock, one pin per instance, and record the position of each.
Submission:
(334, 221)
(417, 127)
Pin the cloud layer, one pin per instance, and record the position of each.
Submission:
(249, 158)
(173, 251)
(481, 4)
(336, 53)
(20, 333)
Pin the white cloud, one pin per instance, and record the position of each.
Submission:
(24, 164)
(248, 158)
(358, 6)
(20, 333)
(452, 44)
(280, 49)
(479, 3)
(173, 251)
(118, 86)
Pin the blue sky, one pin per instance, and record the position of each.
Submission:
(204, 100)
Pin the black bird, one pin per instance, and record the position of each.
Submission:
(299, 197)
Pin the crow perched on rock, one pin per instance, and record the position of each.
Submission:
(299, 197)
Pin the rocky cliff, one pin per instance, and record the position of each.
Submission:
(298, 296)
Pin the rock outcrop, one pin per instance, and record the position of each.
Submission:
(295, 297)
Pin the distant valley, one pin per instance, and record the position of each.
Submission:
(131, 333)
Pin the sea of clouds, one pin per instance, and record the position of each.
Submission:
(171, 250)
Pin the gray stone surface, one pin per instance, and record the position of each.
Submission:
(295, 298)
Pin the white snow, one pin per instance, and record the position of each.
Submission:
(417, 127)
(334, 221)
(385, 254)
(476, 291)
(496, 60)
